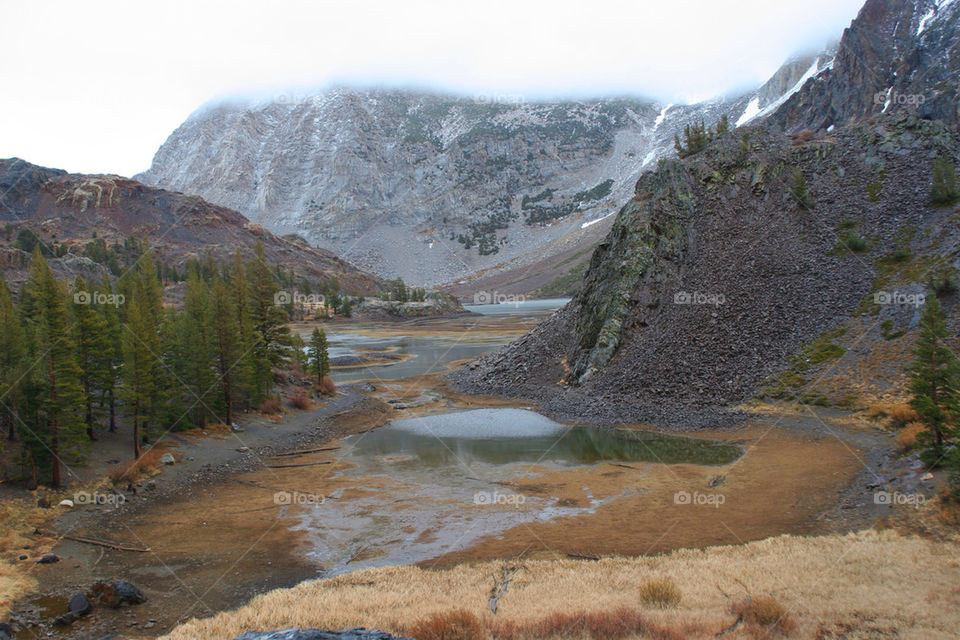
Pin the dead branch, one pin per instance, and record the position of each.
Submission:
(294, 466)
(100, 543)
(304, 451)
(499, 589)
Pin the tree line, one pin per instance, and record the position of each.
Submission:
(72, 359)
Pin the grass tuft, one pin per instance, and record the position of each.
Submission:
(662, 592)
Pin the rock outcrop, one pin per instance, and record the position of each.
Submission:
(72, 210)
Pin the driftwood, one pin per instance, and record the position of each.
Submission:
(625, 466)
(501, 588)
(304, 451)
(294, 466)
(731, 628)
(100, 543)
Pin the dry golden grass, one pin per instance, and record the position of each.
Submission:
(18, 518)
(898, 414)
(662, 592)
(764, 614)
(857, 582)
(146, 465)
(907, 437)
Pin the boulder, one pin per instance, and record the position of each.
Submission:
(167, 458)
(80, 604)
(48, 558)
(358, 633)
(115, 593)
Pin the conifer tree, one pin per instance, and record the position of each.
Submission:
(944, 191)
(196, 338)
(12, 353)
(139, 369)
(318, 354)
(799, 189)
(270, 335)
(59, 427)
(113, 354)
(229, 353)
(93, 349)
(935, 384)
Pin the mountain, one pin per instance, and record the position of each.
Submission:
(69, 211)
(720, 281)
(436, 188)
(897, 54)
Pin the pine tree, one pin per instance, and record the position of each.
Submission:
(229, 353)
(270, 335)
(93, 348)
(934, 383)
(318, 354)
(12, 353)
(944, 191)
(113, 355)
(240, 292)
(155, 339)
(139, 369)
(196, 340)
(60, 427)
(723, 126)
(799, 189)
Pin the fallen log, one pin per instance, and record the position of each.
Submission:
(294, 466)
(100, 543)
(304, 451)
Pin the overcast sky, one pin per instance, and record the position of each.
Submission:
(97, 86)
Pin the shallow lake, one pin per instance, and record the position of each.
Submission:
(420, 487)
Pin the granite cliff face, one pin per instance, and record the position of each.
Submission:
(431, 187)
(896, 55)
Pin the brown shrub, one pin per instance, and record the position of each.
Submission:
(803, 137)
(301, 401)
(662, 592)
(146, 465)
(901, 414)
(326, 386)
(449, 625)
(765, 612)
(270, 406)
(907, 437)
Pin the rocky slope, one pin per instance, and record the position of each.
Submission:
(431, 187)
(713, 279)
(717, 284)
(68, 211)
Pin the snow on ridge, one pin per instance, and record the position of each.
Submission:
(593, 222)
(663, 114)
(812, 71)
(749, 113)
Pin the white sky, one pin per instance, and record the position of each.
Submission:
(97, 86)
